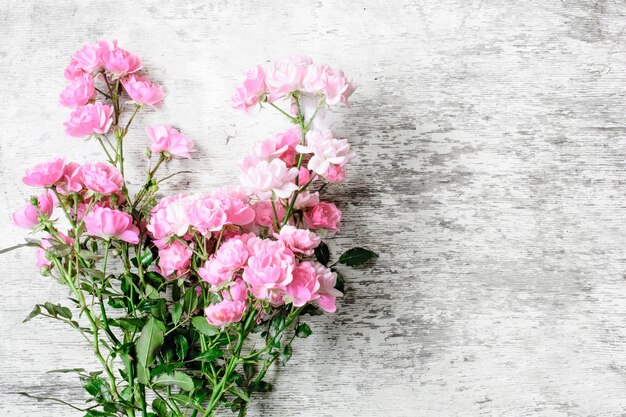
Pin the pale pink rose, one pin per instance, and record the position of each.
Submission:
(89, 119)
(79, 92)
(73, 70)
(282, 146)
(169, 217)
(304, 286)
(298, 240)
(323, 216)
(269, 268)
(120, 62)
(286, 75)
(337, 88)
(45, 174)
(230, 257)
(290, 139)
(71, 181)
(225, 312)
(327, 151)
(101, 177)
(248, 93)
(264, 213)
(28, 216)
(106, 223)
(335, 174)
(269, 179)
(327, 293)
(237, 291)
(174, 258)
(307, 199)
(312, 82)
(142, 91)
(170, 141)
(207, 214)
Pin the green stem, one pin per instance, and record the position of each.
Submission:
(290, 117)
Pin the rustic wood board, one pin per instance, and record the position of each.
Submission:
(492, 146)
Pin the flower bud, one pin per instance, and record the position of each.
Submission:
(148, 153)
(34, 201)
(114, 199)
(114, 253)
(45, 271)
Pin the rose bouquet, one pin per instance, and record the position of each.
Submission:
(187, 300)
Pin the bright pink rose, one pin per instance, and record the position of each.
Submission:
(207, 214)
(89, 119)
(73, 70)
(323, 216)
(120, 62)
(102, 178)
(269, 179)
(304, 286)
(79, 92)
(106, 223)
(225, 312)
(89, 57)
(174, 258)
(237, 211)
(169, 217)
(248, 93)
(286, 75)
(230, 257)
(327, 151)
(45, 174)
(269, 268)
(71, 181)
(169, 140)
(237, 291)
(298, 240)
(28, 216)
(264, 213)
(142, 91)
(327, 293)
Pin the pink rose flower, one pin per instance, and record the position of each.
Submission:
(286, 75)
(89, 57)
(142, 91)
(169, 217)
(323, 216)
(237, 291)
(230, 257)
(248, 93)
(207, 214)
(168, 140)
(269, 179)
(264, 213)
(71, 181)
(269, 268)
(237, 211)
(304, 286)
(80, 91)
(298, 240)
(102, 178)
(312, 82)
(335, 174)
(327, 151)
(106, 223)
(41, 254)
(337, 88)
(120, 62)
(45, 174)
(28, 216)
(307, 199)
(174, 258)
(72, 71)
(225, 312)
(89, 119)
(327, 293)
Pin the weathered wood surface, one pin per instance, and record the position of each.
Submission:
(491, 177)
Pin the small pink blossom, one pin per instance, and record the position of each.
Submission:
(89, 119)
(71, 181)
(174, 258)
(106, 223)
(237, 291)
(286, 75)
(120, 62)
(45, 174)
(248, 93)
(298, 240)
(265, 213)
(312, 81)
(73, 70)
(304, 286)
(337, 88)
(89, 57)
(168, 140)
(269, 179)
(323, 216)
(102, 178)
(225, 312)
(237, 211)
(336, 174)
(327, 293)
(142, 90)
(327, 151)
(307, 199)
(28, 216)
(230, 257)
(269, 268)
(79, 92)
(206, 214)
(170, 217)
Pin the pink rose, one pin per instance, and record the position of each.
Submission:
(312, 82)
(207, 214)
(237, 212)
(174, 258)
(142, 91)
(225, 312)
(168, 140)
(79, 92)
(264, 213)
(327, 293)
(286, 75)
(46, 242)
(102, 177)
(269, 179)
(72, 71)
(298, 240)
(237, 291)
(323, 216)
(45, 174)
(71, 181)
(89, 57)
(120, 62)
(304, 286)
(269, 268)
(89, 119)
(327, 151)
(248, 93)
(106, 223)
(337, 88)
(28, 216)
(169, 217)
(230, 257)
(335, 174)
(307, 199)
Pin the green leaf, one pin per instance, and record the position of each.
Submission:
(182, 346)
(356, 256)
(190, 301)
(150, 341)
(117, 302)
(286, 355)
(151, 292)
(322, 254)
(209, 355)
(177, 311)
(166, 368)
(160, 407)
(238, 392)
(63, 311)
(264, 387)
(178, 378)
(36, 311)
(341, 281)
(202, 325)
(304, 331)
(66, 371)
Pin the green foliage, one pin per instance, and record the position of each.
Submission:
(356, 256)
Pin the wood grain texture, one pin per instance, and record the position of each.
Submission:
(492, 145)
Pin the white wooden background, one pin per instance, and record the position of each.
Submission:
(491, 179)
